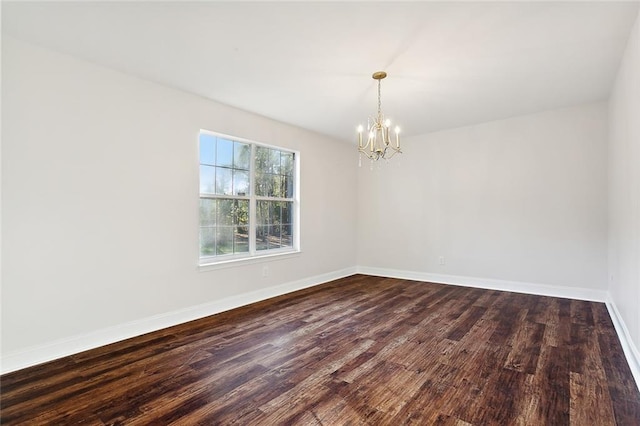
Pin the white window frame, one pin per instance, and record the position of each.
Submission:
(212, 262)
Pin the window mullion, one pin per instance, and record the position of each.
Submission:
(274, 199)
(224, 197)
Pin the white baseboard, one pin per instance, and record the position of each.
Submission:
(630, 350)
(491, 284)
(75, 344)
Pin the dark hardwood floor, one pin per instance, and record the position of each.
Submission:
(360, 350)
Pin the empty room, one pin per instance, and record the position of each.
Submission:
(320, 213)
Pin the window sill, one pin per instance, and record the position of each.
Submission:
(233, 263)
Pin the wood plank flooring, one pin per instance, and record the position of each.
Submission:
(360, 350)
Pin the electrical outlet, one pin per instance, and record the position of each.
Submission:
(441, 260)
(265, 270)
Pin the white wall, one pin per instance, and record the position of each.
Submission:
(624, 190)
(521, 200)
(100, 202)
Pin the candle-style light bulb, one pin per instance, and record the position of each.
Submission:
(387, 123)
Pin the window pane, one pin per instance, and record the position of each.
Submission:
(207, 241)
(241, 212)
(240, 182)
(287, 184)
(224, 240)
(261, 163)
(274, 161)
(274, 236)
(287, 210)
(207, 212)
(262, 232)
(262, 159)
(207, 149)
(276, 185)
(241, 155)
(225, 212)
(264, 185)
(223, 181)
(275, 213)
(287, 236)
(241, 240)
(262, 212)
(207, 179)
(224, 155)
(286, 159)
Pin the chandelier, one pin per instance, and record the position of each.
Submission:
(378, 144)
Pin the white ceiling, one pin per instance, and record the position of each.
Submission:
(309, 64)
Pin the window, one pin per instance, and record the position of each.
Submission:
(247, 199)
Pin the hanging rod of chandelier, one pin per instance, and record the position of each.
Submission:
(378, 144)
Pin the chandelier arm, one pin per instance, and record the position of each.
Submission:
(369, 155)
(394, 152)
